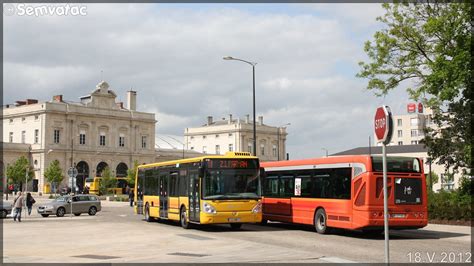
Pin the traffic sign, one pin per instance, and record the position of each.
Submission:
(383, 124)
(72, 172)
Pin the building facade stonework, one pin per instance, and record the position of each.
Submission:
(229, 134)
(90, 135)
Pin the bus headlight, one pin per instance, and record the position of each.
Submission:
(208, 208)
(257, 208)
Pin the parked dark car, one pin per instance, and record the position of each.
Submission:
(80, 204)
(5, 209)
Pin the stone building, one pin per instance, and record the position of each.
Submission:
(91, 134)
(221, 136)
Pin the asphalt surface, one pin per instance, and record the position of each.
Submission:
(117, 235)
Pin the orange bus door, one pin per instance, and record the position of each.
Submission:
(164, 182)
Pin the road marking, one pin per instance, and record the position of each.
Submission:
(123, 215)
(336, 260)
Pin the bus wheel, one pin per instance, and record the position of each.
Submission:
(264, 222)
(147, 213)
(184, 219)
(235, 226)
(320, 222)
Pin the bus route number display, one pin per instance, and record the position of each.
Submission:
(232, 164)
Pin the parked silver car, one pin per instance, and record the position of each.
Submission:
(80, 204)
(5, 209)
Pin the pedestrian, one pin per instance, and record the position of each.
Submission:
(29, 202)
(131, 197)
(18, 205)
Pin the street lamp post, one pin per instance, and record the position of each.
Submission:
(325, 150)
(254, 123)
(278, 139)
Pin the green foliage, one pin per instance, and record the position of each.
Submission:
(16, 173)
(107, 181)
(131, 173)
(430, 44)
(54, 174)
(466, 185)
(449, 205)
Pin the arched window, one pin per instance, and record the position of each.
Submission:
(121, 170)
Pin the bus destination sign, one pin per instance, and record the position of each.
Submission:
(232, 164)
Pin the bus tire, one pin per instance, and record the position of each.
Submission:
(183, 218)
(147, 213)
(264, 222)
(320, 222)
(236, 226)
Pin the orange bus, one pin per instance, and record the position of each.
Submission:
(345, 192)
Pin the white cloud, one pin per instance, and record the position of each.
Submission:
(307, 61)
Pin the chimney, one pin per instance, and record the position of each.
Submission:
(247, 119)
(209, 120)
(230, 119)
(58, 98)
(132, 100)
(260, 120)
(31, 101)
(120, 105)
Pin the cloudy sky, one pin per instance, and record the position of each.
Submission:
(307, 57)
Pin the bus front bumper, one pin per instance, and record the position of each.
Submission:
(230, 217)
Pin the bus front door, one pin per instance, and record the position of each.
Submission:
(194, 197)
(164, 181)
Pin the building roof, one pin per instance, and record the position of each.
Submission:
(390, 149)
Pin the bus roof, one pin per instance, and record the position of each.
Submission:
(228, 155)
(342, 159)
(365, 159)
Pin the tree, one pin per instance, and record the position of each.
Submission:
(16, 172)
(107, 181)
(131, 174)
(54, 174)
(430, 44)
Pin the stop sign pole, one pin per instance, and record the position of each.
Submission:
(383, 131)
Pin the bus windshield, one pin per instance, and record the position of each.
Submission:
(397, 164)
(231, 184)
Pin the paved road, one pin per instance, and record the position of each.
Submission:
(118, 235)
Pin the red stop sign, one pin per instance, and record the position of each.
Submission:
(383, 124)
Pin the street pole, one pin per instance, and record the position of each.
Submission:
(278, 144)
(385, 202)
(254, 124)
(254, 118)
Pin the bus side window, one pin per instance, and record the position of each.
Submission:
(174, 184)
(306, 185)
(271, 185)
(182, 183)
(287, 186)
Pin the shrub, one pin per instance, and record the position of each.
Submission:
(449, 205)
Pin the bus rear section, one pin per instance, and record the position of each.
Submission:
(406, 190)
(345, 192)
(204, 190)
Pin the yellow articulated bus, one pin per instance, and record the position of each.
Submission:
(221, 189)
